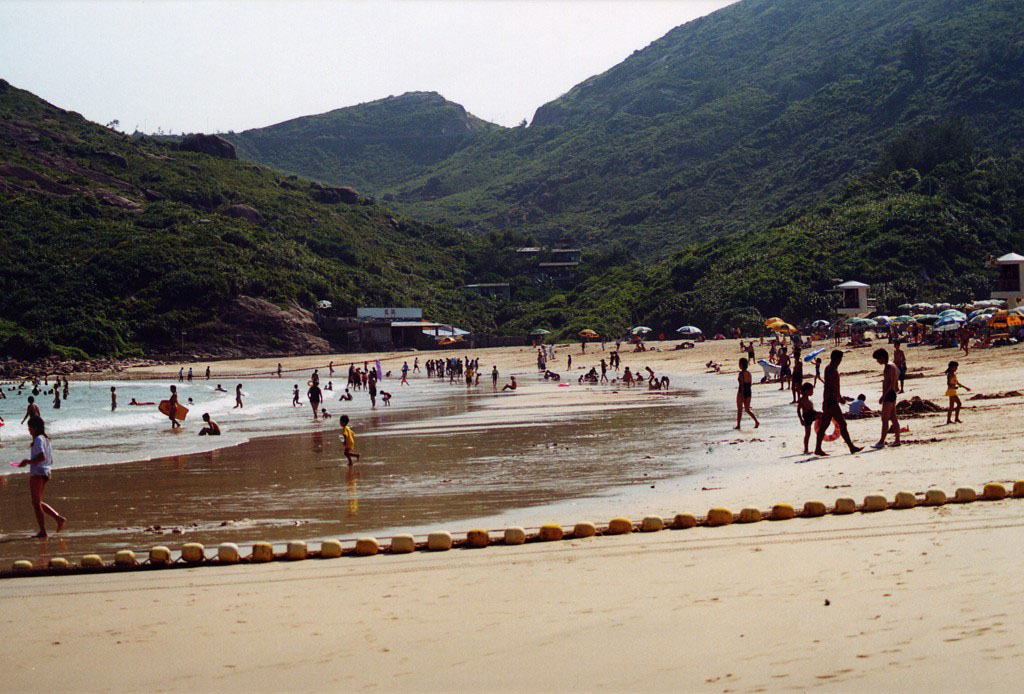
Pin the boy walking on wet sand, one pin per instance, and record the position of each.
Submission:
(348, 439)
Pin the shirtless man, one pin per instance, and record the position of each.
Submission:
(172, 408)
(830, 408)
(32, 410)
(211, 428)
(899, 359)
(890, 379)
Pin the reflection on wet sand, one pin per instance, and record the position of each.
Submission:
(458, 464)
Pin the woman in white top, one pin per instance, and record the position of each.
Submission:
(41, 460)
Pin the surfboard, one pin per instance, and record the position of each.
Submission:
(180, 411)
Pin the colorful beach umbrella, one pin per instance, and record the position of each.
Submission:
(947, 324)
(588, 333)
(905, 307)
(772, 322)
(821, 324)
(903, 319)
(784, 328)
(640, 330)
(540, 331)
(927, 318)
(690, 330)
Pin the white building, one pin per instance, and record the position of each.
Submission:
(1010, 285)
(854, 300)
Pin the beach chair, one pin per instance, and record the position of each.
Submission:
(771, 371)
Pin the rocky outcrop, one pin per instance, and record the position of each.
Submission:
(111, 198)
(250, 214)
(214, 145)
(263, 327)
(334, 194)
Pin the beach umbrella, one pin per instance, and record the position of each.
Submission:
(588, 333)
(690, 331)
(772, 322)
(540, 331)
(821, 324)
(946, 324)
(810, 357)
(927, 318)
(980, 319)
(640, 330)
(953, 313)
(784, 328)
(863, 324)
(905, 307)
(942, 307)
(1018, 311)
(1005, 319)
(883, 320)
(903, 319)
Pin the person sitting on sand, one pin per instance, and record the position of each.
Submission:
(714, 366)
(744, 394)
(512, 385)
(211, 428)
(859, 406)
(348, 439)
(805, 412)
(952, 385)
(346, 395)
(385, 398)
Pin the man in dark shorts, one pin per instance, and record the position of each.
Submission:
(785, 373)
(172, 408)
(798, 374)
(899, 358)
(890, 378)
(830, 407)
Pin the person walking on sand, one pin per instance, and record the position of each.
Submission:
(494, 376)
(32, 410)
(279, 369)
(830, 406)
(41, 460)
(172, 408)
(899, 359)
(315, 398)
(207, 372)
(348, 439)
(743, 395)
(181, 375)
(238, 397)
(190, 374)
(890, 381)
(952, 385)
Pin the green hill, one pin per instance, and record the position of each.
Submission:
(111, 245)
(380, 143)
(719, 126)
(912, 237)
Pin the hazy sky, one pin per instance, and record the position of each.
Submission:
(214, 66)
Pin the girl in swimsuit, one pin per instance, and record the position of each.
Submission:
(952, 385)
(743, 395)
(805, 412)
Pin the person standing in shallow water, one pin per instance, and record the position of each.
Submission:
(238, 396)
(172, 409)
(743, 395)
(41, 460)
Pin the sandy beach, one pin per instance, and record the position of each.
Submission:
(916, 597)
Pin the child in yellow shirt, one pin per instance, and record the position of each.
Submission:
(348, 439)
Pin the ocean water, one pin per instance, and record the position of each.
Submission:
(85, 431)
